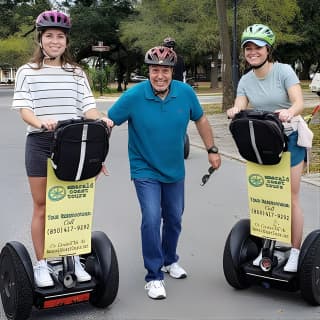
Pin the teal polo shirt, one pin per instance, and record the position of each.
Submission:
(157, 129)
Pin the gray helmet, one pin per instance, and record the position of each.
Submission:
(169, 42)
(162, 56)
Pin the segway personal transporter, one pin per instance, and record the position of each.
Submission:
(269, 226)
(67, 232)
(186, 146)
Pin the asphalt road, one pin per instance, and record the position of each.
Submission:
(210, 213)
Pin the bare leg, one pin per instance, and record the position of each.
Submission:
(296, 211)
(38, 191)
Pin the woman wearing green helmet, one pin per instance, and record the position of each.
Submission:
(273, 86)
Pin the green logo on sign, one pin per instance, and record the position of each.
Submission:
(256, 180)
(57, 193)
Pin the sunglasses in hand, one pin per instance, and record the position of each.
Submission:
(206, 177)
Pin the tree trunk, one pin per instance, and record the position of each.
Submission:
(214, 71)
(228, 94)
(304, 74)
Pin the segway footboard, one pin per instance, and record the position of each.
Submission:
(275, 278)
(241, 249)
(59, 295)
(100, 291)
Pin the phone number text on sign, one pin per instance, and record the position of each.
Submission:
(69, 210)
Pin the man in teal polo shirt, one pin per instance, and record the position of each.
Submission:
(158, 112)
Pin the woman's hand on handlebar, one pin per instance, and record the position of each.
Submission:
(285, 115)
(48, 125)
(107, 121)
(232, 112)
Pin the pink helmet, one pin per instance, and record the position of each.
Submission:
(53, 19)
(161, 56)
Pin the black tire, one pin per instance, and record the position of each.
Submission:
(102, 263)
(309, 264)
(186, 146)
(15, 284)
(240, 247)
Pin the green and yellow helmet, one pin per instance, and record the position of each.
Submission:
(259, 34)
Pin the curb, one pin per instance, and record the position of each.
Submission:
(311, 178)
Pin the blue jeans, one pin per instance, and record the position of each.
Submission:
(159, 201)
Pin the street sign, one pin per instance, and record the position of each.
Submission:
(100, 48)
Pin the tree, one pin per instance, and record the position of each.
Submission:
(16, 24)
(280, 16)
(15, 51)
(307, 49)
(191, 23)
(132, 27)
(16, 15)
(228, 93)
(94, 21)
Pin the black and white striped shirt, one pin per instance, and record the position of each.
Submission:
(52, 92)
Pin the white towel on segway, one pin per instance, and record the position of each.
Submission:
(305, 135)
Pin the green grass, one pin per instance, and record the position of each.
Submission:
(109, 92)
(305, 84)
(212, 108)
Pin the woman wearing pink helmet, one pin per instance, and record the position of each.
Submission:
(51, 87)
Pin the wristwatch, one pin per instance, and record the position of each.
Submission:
(213, 149)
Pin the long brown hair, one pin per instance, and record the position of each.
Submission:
(38, 56)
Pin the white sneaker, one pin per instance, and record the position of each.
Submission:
(292, 263)
(256, 261)
(81, 274)
(156, 289)
(175, 271)
(42, 276)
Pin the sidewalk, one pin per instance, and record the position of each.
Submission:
(226, 144)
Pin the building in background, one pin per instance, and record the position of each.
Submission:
(7, 74)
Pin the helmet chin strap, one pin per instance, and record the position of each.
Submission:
(46, 56)
(260, 65)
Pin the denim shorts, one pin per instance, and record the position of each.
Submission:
(297, 153)
(37, 151)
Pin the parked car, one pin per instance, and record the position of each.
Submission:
(315, 83)
(192, 83)
(201, 77)
(136, 78)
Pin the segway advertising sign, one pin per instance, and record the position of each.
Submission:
(269, 194)
(69, 209)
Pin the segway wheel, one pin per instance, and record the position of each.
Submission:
(240, 247)
(186, 146)
(309, 269)
(15, 286)
(103, 265)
